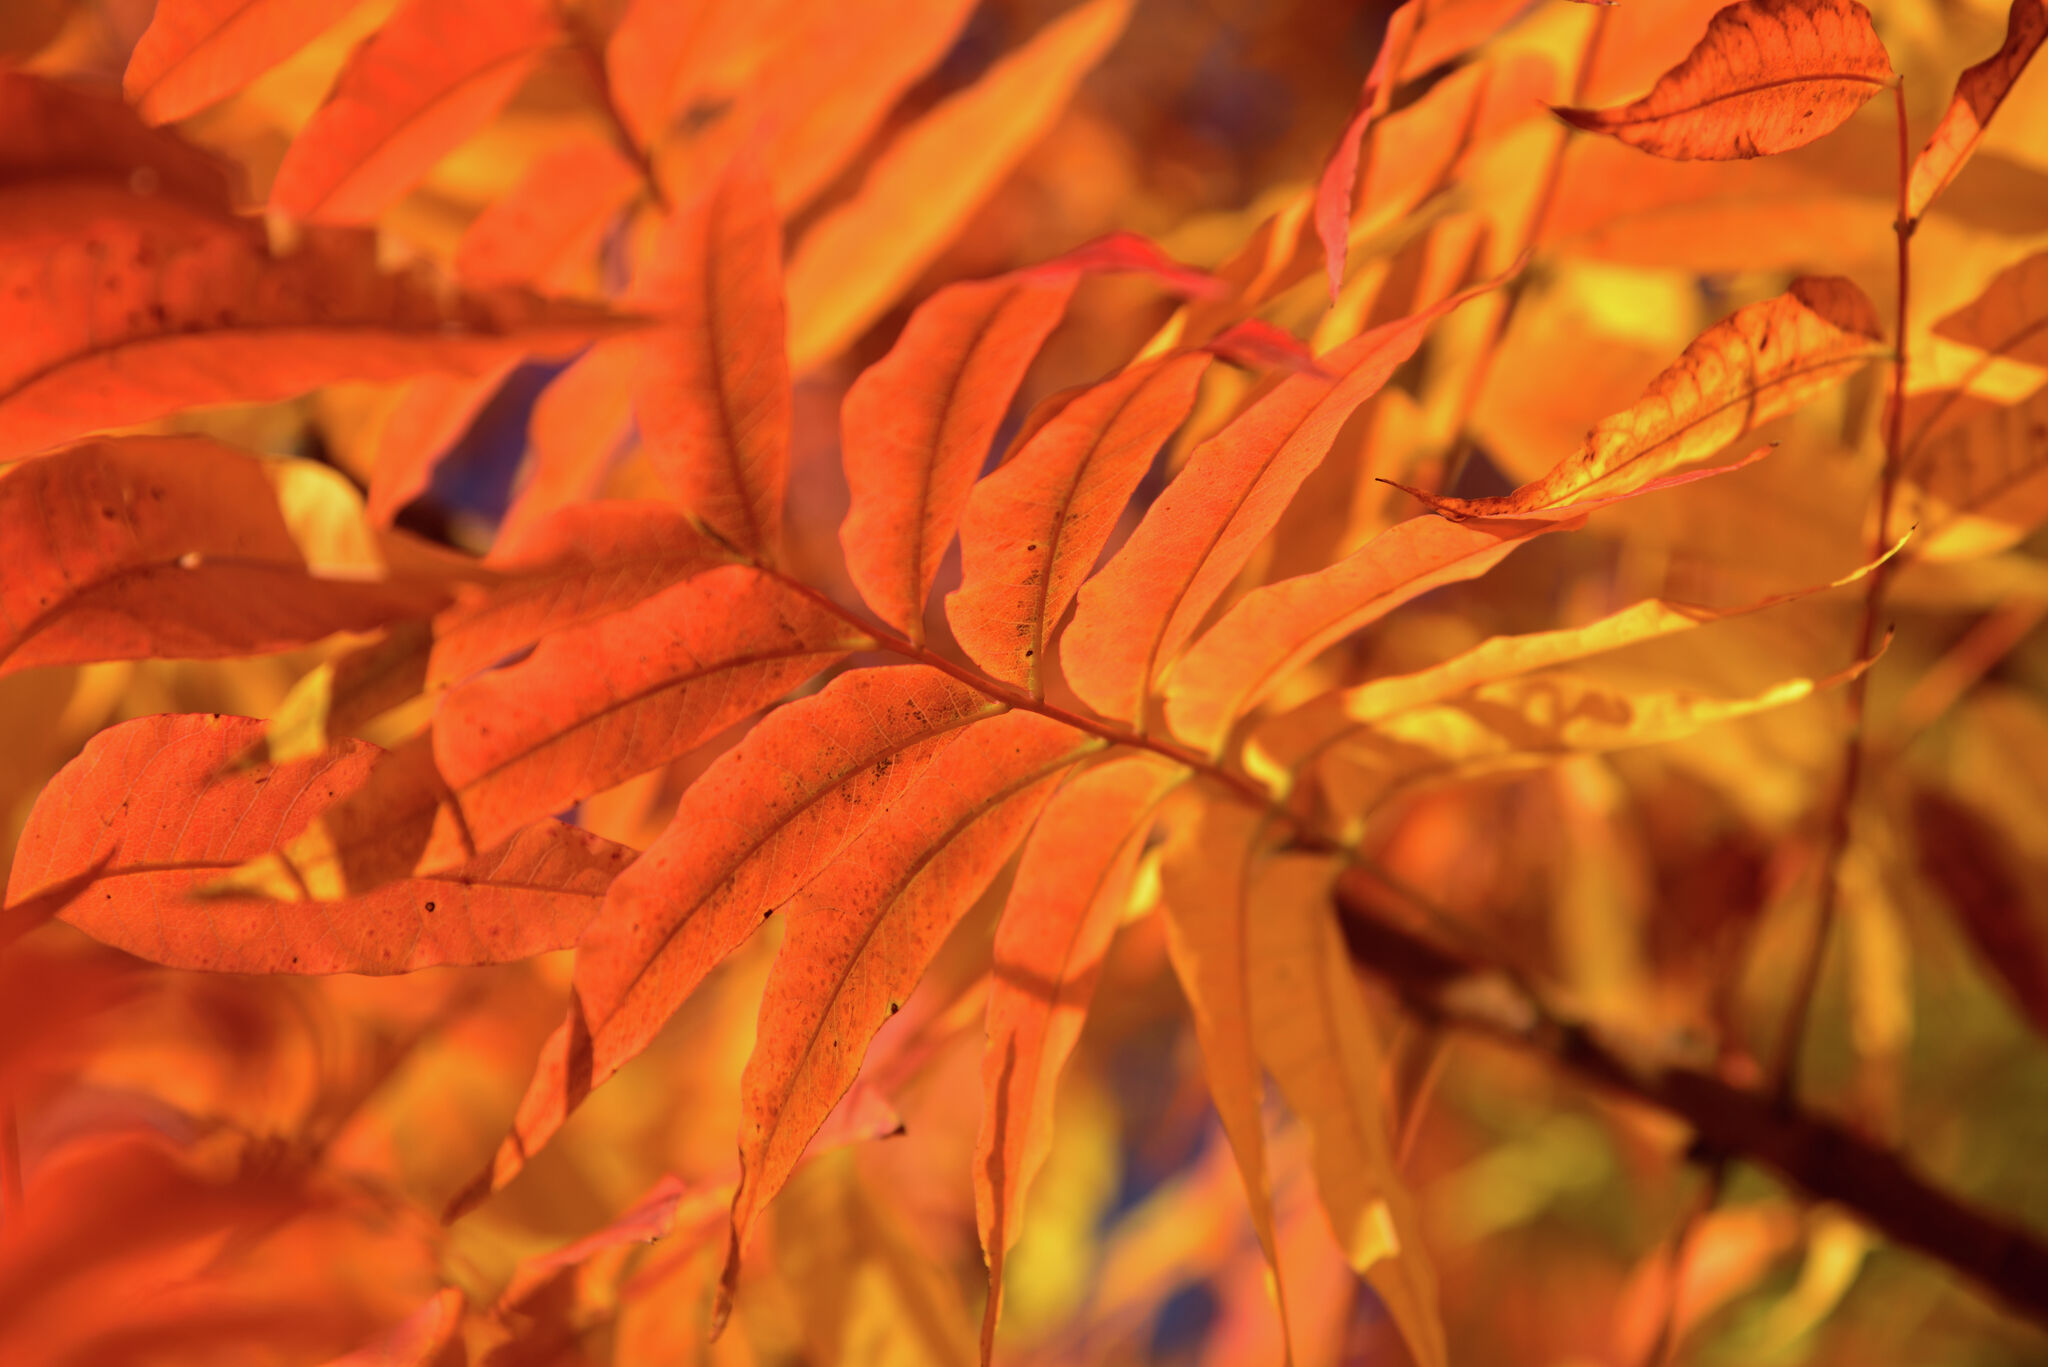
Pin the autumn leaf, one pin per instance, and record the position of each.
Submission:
(862, 932)
(133, 547)
(1339, 180)
(581, 421)
(1207, 873)
(51, 129)
(665, 53)
(1315, 1036)
(431, 76)
(415, 1341)
(1984, 881)
(747, 836)
(1032, 529)
(427, 423)
(1769, 76)
(1279, 627)
(197, 52)
(861, 255)
(542, 232)
(1984, 481)
(1068, 898)
(1133, 617)
(1756, 365)
(1979, 92)
(132, 307)
(167, 819)
(670, 1206)
(713, 397)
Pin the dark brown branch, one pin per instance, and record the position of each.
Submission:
(1825, 1160)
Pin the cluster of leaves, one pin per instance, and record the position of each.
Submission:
(724, 791)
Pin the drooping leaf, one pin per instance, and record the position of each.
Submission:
(1769, 76)
(1133, 618)
(1985, 882)
(1207, 874)
(129, 307)
(916, 425)
(418, 1340)
(136, 547)
(1314, 1035)
(151, 801)
(1757, 364)
(1283, 744)
(757, 826)
(862, 932)
(863, 254)
(1069, 895)
(1979, 92)
(433, 75)
(591, 707)
(1274, 629)
(1032, 529)
(196, 52)
(713, 397)
(1339, 180)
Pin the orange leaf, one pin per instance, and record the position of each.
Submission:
(1033, 529)
(51, 130)
(916, 425)
(415, 1341)
(127, 307)
(1339, 180)
(1769, 76)
(427, 423)
(129, 548)
(164, 819)
(544, 229)
(197, 52)
(864, 253)
(1758, 364)
(433, 75)
(1056, 927)
(1134, 616)
(760, 823)
(1979, 92)
(713, 398)
(579, 424)
(1985, 882)
(666, 53)
(1274, 629)
(862, 932)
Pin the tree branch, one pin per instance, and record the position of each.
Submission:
(1828, 1162)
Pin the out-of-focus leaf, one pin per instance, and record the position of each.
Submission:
(1985, 481)
(196, 52)
(49, 130)
(1068, 898)
(426, 424)
(152, 803)
(1979, 92)
(431, 76)
(580, 422)
(551, 221)
(418, 1340)
(1985, 882)
(1033, 529)
(863, 254)
(1339, 179)
(1769, 76)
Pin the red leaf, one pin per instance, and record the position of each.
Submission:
(543, 230)
(197, 52)
(1979, 92)
(433, 75)
(50, 130)
(164, 819)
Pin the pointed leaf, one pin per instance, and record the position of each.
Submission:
(1064, 907)
(1769, 76)
(128, 307)
(1339, 180)
(713, 398)
(862, 932)
(1033, 529)
(760, 823)
(433, 75)
(1207, 874)
(136, 547)
(1134, 617)
(1315, 1036)
(1758, 364)
(149, 798)
(197, 52)
(1979, 92)
(862, 255)
(1274, 629)
(1284, 744)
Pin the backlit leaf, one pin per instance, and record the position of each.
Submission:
(1033, 528)
(713, 398)
(1979, 92)
(540, 232)
(431, 76)
(757, 826)
(1985, 882)
(1769, 76)
(50, 129)
(1334, 188)
(1991, 469)
(862, 932)
(196, 52)
(1069, 896)
(149, 798)
(415, 1341)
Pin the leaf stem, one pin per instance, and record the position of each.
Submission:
(1854, 752)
